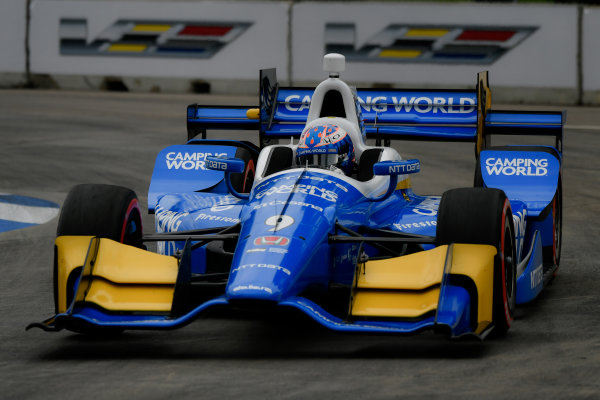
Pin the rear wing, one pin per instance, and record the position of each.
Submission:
(387, 114)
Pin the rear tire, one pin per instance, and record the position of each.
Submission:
(483, 216)
(552, 253)
(105, 211)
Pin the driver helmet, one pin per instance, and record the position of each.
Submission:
(326, 146)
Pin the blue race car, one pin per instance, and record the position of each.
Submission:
(326, 224)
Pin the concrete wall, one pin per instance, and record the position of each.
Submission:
(591, 55)
(535, 53)
(12, 42)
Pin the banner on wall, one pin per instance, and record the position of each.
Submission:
(208, 40)
(403, 44)
(439, 44)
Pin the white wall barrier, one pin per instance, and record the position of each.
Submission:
(591, 56)
(12, 41)
(535, 53)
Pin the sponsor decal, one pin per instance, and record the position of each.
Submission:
(292, 202)
(428, 207)
(220, 165)
(263, 266)
(224, 203)
(434, 44)
(517, 166)
(125, 37)
(537, 277)
(421, 104)
(404, 168)
(167, 221)
(310, 190)
(253, 287)
(221, 208)
(277, 250)
(415, 225)
(208, 217)
(189, 161)
(257, 250)
(271, 241)
(279, 222)
(293, 103)
(309, 177)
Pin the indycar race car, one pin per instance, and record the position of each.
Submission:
(326, 224)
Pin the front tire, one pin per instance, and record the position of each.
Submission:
(484, 216)
(105, 211)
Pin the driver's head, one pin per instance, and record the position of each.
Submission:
(326, 146)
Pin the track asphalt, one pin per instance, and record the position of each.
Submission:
(50, 141)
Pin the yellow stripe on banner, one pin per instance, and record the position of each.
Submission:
(131, 48)
(151, 28)
(425, 32)
(400, 53)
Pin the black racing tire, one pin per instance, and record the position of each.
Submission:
(243, 182)
(484, 216)
(105, 211)
(551, 254)
(478, 178)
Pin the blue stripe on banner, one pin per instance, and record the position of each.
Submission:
(26, 201)
(12, 225)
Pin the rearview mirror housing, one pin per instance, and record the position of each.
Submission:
(229, 166)
(403, 167)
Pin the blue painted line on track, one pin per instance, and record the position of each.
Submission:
(12, 225)
(17, 212)
(26, 201)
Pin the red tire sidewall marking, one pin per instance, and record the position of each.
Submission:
(554, 232)
(133, 205)
(249, 167)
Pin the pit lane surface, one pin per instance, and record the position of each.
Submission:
(50, 141)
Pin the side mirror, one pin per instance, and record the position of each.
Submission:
(229, 166)
(393, 169)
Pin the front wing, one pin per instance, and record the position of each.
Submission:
(448, 289)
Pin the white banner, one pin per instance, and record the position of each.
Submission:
(207, 40)
(432, 44)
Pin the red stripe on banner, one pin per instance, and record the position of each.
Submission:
(205, 30)
(491, 36)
